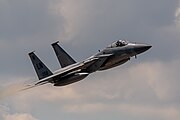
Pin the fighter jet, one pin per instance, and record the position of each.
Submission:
(71, 71)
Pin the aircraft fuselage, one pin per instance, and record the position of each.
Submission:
(114, 55)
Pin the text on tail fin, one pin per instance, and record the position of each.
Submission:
(40, 68)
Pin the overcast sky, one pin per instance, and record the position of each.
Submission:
(143, 89)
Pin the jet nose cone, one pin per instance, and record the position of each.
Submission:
(140, 48)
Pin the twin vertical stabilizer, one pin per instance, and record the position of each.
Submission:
(63, 57)
(40, 68)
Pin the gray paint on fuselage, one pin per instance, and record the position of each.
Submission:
(112, 56)
(120, 56)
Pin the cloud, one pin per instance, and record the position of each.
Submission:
(164, 113)
(148, 87)
(14, 86)
(68, 9)
(177, 15)
(160, 77)
(18, 116)
(25, 26)
(97, 24)
(34, 25)
(28, 19)
(50, 93)
(147, 81)
(84, 108)
(136, 110)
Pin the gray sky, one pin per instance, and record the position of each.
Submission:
(144, 88)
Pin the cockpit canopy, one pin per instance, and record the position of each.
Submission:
(119, 43)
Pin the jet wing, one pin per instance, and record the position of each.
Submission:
(86, 64)
(79, 66)
(100, 60)
(66, 70)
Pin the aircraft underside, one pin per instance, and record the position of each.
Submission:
(69, 79)
(113, 62)
(71, 71)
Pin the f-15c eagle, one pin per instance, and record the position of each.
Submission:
(71, 71)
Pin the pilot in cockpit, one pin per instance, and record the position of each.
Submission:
(118, 43)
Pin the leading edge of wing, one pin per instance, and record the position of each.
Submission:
(104, 55)
(74, 67)
(66, 70)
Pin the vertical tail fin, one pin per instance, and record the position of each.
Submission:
(40, 68)
(63, 57)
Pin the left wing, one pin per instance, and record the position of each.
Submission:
(63, 71)
(91, 64)
(88, 64)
